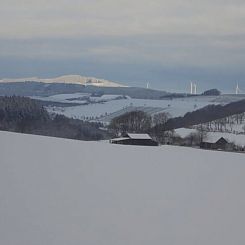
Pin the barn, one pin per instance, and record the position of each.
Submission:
(135, 139)
(221, 143)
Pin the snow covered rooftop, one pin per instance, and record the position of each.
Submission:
(238, 139)
(139, 136)
(213, 139)
(119, 139)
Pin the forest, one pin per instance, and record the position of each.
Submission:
(22, 114)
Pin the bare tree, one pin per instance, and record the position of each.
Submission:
(202, 134)
(243, 127)
(134, 122)
(160, 118)
(193, 139)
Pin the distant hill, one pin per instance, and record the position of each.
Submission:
(67, 79)
(34, 88)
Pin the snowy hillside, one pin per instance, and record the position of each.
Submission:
(73, 79)
(111, 105)
(56, 191)
(176, 107)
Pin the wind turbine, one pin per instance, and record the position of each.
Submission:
(193, 88)
(238, 90)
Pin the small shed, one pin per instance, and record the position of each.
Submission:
(135, 139)
(221, 143)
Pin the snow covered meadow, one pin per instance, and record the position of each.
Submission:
(58, 191)
(94, 108)
(101, 107)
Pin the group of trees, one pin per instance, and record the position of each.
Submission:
(134, 122)
(226, 124)
(212, 92)
(141, 122)
(21, 114)
(195, 138)
(137, 122)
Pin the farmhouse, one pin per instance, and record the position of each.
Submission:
(135, 139)
(215, 144)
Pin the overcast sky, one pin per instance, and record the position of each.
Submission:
(165, 42)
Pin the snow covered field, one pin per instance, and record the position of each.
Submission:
(59, 192)
(176, 107)
(64, 98)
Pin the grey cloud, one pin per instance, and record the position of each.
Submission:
(121, 18)
(166, 50)
(162, 40)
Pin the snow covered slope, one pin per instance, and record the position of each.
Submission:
(74, 79)
(59, 192)
(176, 107)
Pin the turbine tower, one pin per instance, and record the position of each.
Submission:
(238, 90)
(193, 88)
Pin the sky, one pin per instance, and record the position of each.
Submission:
(167, 43)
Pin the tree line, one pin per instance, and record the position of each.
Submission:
(207, 114)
